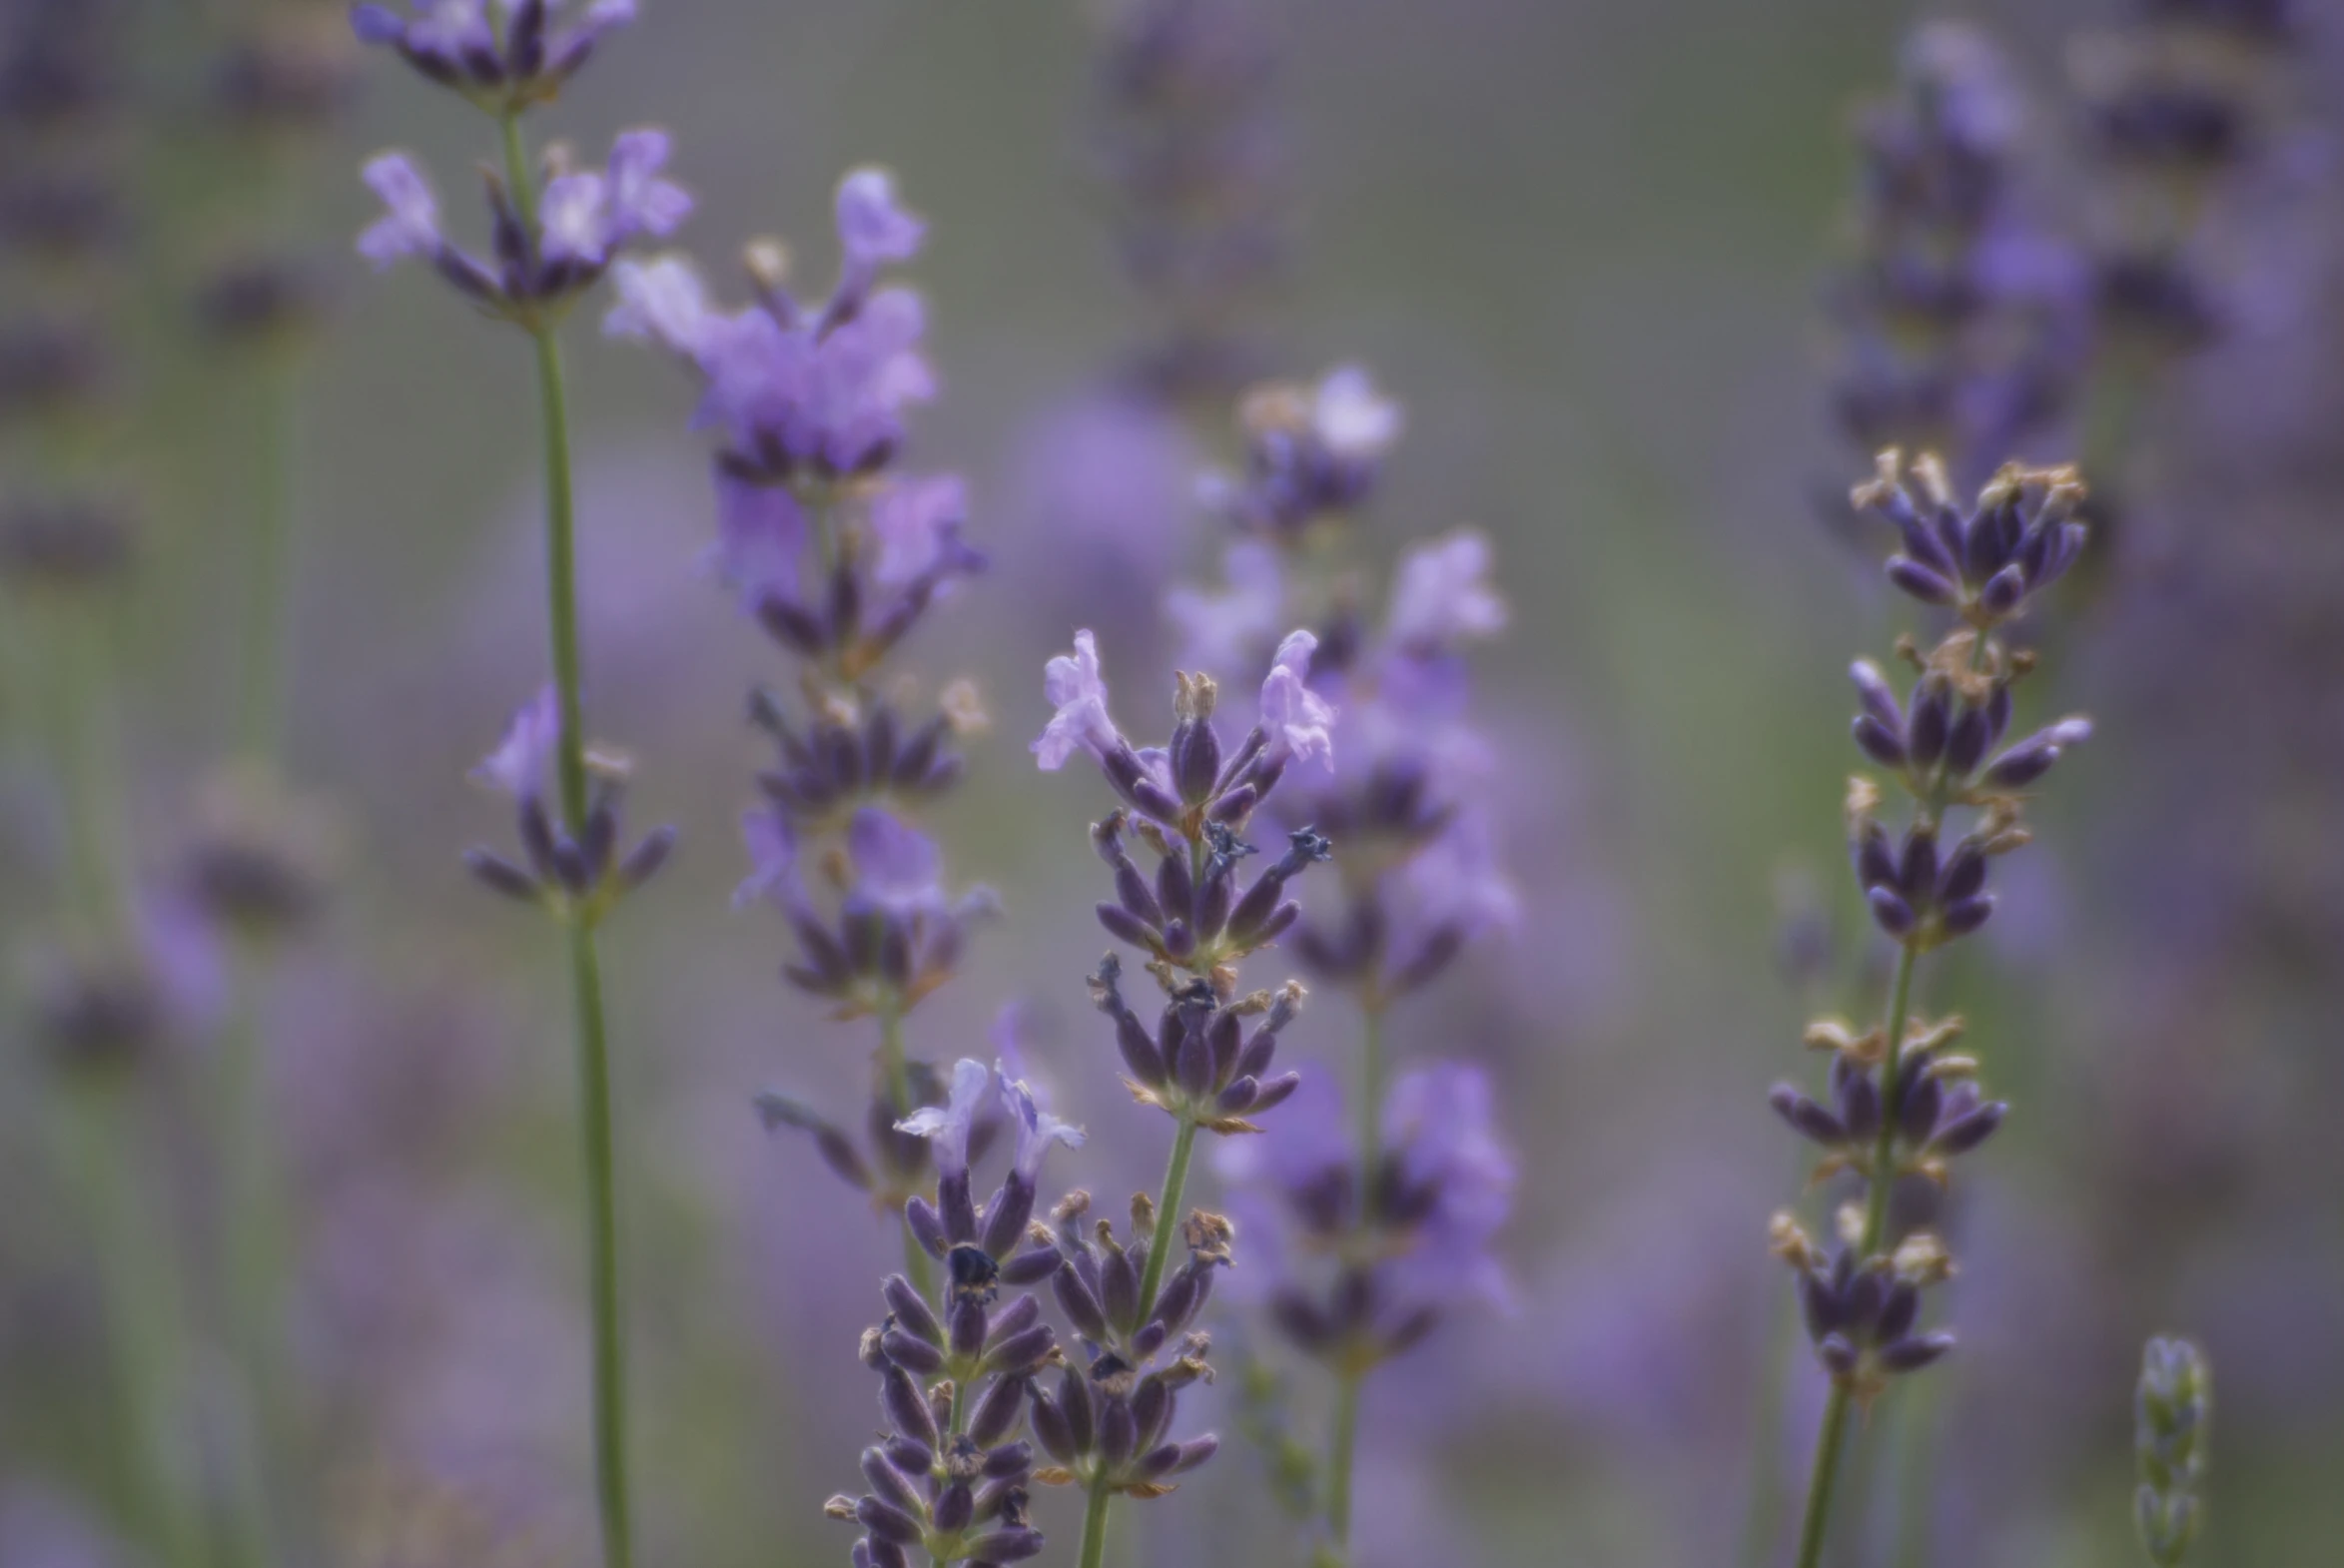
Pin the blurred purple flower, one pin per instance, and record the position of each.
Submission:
(1073, 685)
(1442, 595)
(948, 1126)
(1298, 722)
(522, 763)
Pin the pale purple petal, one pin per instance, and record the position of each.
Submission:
(1442, 595)
(948, 1126)
(661, 301)
(761, 538)
(641, 203)
(873, 228)
(524, 755)
(1073, 685)
(1298, 722)
(1036, 1129)
(411, 227)
(915, 519)
(1352, 418)
(897, 868)
(574, 219)
(773, 860)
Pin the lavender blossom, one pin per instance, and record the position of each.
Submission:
(1965, 319)
(1312, 453)
(1362, 1268)
(1899, 1104)
(1191, 157)
(579, 876)
(505, 63)
(548, 248)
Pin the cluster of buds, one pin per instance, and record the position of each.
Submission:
(1930, 1108)
(1965, 320)
(505, 62)
(1862, 1314)
(1988, 560)
(848, 755)
(1899, 1102)
(581, 871)
(2173, 1412)
(542, 261)
(1365, 1263)
(1190, 154)
(946, 1483)
(876, 931)
(1313, 455)
(1199, 1064)
(1200, 924)
(1108, 1424)
(2180, 103)
(890, 1166)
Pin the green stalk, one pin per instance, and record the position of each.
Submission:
(918, 1265)
(1168, 1208)
(252, 1204)
(1342, 1449)
(1344, 1442)
(268, 601)
(141, 1325)
(593, 1051)
(1828, 1441)
(1175, 1182)
(610, 1472)
(1094, 1526)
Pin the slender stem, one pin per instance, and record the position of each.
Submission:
(253, 1213)
(1175, 1182)
(142, 1327)
(919, 1267)
(602, 1249)
(593, 1049)
(268, 600)
(1168, 1208)
(96, 883)
(1342, 1449)
(1876, 1224)
(1370, 1109)
(1095, 1524)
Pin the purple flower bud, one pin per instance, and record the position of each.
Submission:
(1021, 1352)
(888, 1522)
(888, 1482)
(1890, 913)
(1051, 1429)
(1930, 587)
(1897, 1311)
(1911, 1354)
(1926, 730)
(1806, 1117)
(2003, 592)
(1837, 1354)
(1878, 741)
(1012, 1545)
(915, 1355)
(1917, 875)
(911, 1310)
(1963, 1134)
(1081, 1306)
(996, 1410)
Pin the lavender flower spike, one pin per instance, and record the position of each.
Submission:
(503, 65)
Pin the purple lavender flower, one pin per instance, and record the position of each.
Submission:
(1312, 453)
(1361, 1270)
(503, 64)
(584, 220)
(1965, 320)
(583, 874)
(1191, 158)
(1987, 562)
(882, 938)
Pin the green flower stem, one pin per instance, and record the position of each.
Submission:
(268, 572)
(1094, 1526)
(1168, 1210)
(97, 884)
(1342, 1449)
(896, 1069)
(1175, 1182)
(1828, 1442)
(1344, 1442)
(593, 1051)
(139, 1298)
(252, 1192)
(611, 1461)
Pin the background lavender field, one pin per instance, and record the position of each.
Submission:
(1583, 242)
